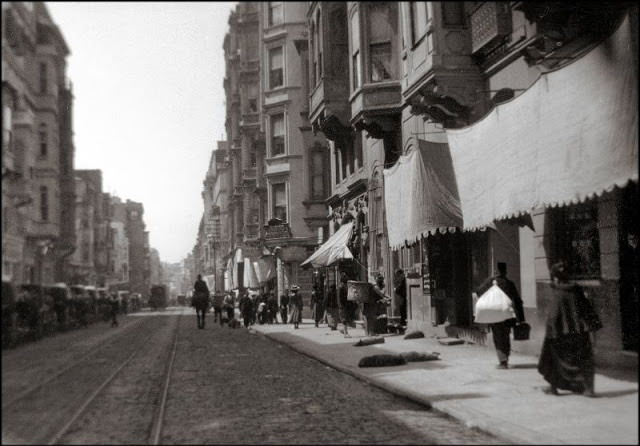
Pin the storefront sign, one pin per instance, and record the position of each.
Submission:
(277, 231)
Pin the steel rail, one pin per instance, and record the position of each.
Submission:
(101, 345)
(156, 430)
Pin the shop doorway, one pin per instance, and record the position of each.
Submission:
(629, 266)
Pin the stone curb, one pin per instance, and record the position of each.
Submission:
(486, 424)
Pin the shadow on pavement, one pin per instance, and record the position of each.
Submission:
(524, 366)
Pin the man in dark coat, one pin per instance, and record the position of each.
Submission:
(200, 299)
(284, 307)
(501, 330)
(400, 288)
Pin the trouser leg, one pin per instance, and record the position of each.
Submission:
(501, 340)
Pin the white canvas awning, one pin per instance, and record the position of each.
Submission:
(333, 249)
(420, 194)
(571, 136)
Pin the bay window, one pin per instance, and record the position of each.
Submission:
(276, 13)
(277, 135)
(279, 200)
(380, 33)
(355, 52)
(276, 78)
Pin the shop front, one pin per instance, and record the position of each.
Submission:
(564, 153)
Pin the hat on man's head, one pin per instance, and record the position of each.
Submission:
(295, 288)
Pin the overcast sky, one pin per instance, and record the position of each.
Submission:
(149, 104)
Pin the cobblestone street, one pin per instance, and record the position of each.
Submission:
(226, 386)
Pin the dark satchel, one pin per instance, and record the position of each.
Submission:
(521, 332)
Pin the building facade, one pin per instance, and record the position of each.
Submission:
(37, 151)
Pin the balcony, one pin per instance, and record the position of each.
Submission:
(380, 98)
(490, 22)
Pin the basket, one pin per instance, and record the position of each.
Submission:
(521, 332)
(358, 291)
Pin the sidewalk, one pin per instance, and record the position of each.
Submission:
(465, 384)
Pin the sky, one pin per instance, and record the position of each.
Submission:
(148, 104)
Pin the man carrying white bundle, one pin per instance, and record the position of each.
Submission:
(501, 328)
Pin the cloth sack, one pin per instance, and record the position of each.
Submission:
(493, 306)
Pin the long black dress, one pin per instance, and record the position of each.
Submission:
(566, 360)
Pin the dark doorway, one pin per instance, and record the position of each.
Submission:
(629, 266)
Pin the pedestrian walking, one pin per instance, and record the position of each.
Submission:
(502, 330)
(296, 306)
(343, 304)
(566, 361)
(317, 307)
(114, 304)
(272, 308)
(284, 307)
(228, 308)
(218, 298)
(375, 306)
(246, 309)
(200, 300)
(331, 304)
(400, 289)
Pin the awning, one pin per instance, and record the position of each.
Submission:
(572, 135)
(333, 249)
(265, 269)
(420, 194)
(250, 279)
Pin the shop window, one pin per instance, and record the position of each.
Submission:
(418, 16)
(380, 33)
(576, 239)
(277, 135)
(279, 197)
(44, 203)
(276, 13)
(276, 68)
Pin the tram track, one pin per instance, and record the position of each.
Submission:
(93, 398)
(91, 351)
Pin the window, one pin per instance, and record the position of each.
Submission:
(42, 137)
(275, 68)
(576, 239)
(7, 135)
(252, 95)
(85, 252)
(276, 13)
(314, 63)
(43, 78)
(317, 170)
(44, 203)
(277, 135)
(336, 154)
(319, 45)
(279, 197)
(418, 15)
(357, 147)
(380, 32)
(356, 80)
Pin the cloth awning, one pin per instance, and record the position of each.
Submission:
(265, 269)
(420, 194)
(572, 135)
(333, 249)
(250, 279)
